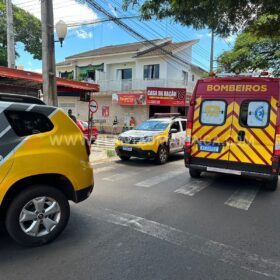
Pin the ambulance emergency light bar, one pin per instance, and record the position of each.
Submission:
(245, 74)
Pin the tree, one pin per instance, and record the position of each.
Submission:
(27, 29)
(252, 53)
(224, 17)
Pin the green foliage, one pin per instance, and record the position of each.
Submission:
(70, 76)
(3, 56)
(82, 76)
(27, 29)
(223, 16)
(266, 26)
(252, 53)
(110, 153)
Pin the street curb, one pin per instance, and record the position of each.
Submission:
(104, 160)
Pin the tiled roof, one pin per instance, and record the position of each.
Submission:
(134, 47)
(168, 47)
(141, 49)
(36, 78)
(198, 69)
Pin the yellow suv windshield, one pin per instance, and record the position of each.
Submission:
(153, 125)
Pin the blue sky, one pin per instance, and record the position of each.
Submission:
(86, 38)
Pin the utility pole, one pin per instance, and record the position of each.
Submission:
(212, 52)
(48, 53)
(10, 35)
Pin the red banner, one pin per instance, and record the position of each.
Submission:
(105, 111)
(132, 99)
(166, 96)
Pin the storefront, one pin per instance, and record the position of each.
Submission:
(167, 100)
(140, 105)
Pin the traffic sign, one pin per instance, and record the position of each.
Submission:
(93, 106)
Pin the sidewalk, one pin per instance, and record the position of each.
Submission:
(103, 149)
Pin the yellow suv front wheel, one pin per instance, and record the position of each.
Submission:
(37, 215)
(162, 154)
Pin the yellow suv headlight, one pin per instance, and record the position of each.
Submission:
(146, 139)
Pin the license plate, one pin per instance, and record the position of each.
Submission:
(209, 148)
(128, 149)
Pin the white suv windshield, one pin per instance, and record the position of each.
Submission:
(153, 125)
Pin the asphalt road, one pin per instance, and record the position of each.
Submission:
(153, 222)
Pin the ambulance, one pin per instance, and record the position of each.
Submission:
(234, 127)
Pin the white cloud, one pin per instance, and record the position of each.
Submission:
(231, 38)
(201, 35)
(82, 34)
(113, 10)
(66, 10)
(36, 70)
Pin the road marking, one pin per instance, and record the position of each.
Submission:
(161, 178)
(103, 169)
(243, 198)
(120, 176)
(193, 187)
(200, 245)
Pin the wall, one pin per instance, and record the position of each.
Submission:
(148, 61)
(112, 69)
(79, 108)
(123, 113)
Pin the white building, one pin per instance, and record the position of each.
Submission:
(125, 74)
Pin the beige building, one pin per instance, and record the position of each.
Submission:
(136, 80)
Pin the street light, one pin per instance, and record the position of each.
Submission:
(61, 30)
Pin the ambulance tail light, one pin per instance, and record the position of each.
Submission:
(277, 142)
(188, 140)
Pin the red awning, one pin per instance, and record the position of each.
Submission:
(36, 78)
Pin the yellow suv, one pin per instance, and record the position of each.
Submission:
(44, 163)
(155, 138)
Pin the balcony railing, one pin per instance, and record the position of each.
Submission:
(128, 85)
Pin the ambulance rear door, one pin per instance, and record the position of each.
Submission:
(253, 128)
(212, 125)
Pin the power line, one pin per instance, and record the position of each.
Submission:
(174, 31)
(133, 32)
(151, 29)
(77, 24)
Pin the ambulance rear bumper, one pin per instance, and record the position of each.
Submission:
(233, 172)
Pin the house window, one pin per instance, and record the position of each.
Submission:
(66, 75)
(193, 78)
(124, 74)
(151, 71)
(91, 74)
(185, 75)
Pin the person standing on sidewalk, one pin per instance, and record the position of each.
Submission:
(115, 125)
(132, 123)
(70, 115)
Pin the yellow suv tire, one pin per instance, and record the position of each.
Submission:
(37, 215)
(162, 154)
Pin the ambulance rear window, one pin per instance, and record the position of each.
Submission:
(213, 112)
(254, 114)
